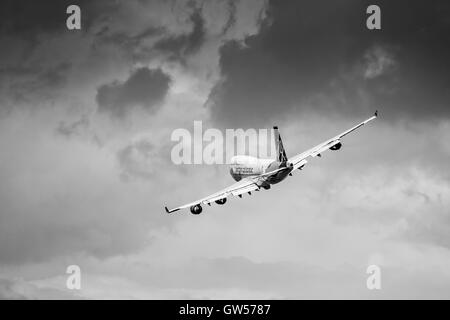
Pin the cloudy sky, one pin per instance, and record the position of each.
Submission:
(85, 170)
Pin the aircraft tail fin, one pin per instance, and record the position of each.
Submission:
(281, 153)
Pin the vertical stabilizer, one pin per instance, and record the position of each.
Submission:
(281, 153)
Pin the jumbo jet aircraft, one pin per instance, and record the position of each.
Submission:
(252, 173)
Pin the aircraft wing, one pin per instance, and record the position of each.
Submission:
(245, 185)
(299, 160)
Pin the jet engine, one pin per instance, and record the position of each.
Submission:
(221, 201)
(197, 209)
(336, 146)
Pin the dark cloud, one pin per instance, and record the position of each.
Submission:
(35, 67)
(179, 47)
(40, 55)
(144, 88)
(231, 18)
(315, 56)
(141, 44)
(31, 84)
(132, 45)
(30, 19)
(26, 18)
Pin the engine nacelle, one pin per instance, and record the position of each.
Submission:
(336, 146)
(221, 201)
(197, 209)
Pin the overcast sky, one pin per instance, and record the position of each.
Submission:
(85, 170)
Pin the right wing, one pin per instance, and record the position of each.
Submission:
(299, 160)
(245, 185)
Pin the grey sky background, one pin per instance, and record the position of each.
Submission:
(85, 170)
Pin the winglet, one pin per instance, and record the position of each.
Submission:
(170, 211)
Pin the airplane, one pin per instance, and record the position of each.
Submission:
(253, 173)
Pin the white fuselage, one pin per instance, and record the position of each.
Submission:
(245, 166)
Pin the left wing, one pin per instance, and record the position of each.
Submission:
(299, 160)
(245, 185)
